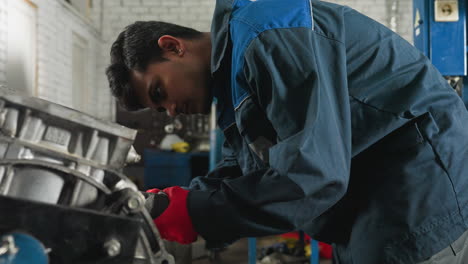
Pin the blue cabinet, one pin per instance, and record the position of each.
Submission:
(164, 169)
(442, 41)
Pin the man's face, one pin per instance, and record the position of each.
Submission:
(180, 85)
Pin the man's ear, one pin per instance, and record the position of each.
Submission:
(171, 45)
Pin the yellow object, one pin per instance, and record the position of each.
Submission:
(292, 242)
(181, 147)
(307, 250)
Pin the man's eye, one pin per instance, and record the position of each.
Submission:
(156, 95)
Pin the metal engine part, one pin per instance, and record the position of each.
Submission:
(61, 183)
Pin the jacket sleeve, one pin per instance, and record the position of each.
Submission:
(227, 168)
(298, 78)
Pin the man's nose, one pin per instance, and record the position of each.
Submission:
(171, 110)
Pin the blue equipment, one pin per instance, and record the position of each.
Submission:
(164, 169)
(440, 33)
(19, 248)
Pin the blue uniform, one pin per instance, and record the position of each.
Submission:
(336, 126)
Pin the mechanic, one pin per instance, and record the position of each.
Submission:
(334, 125)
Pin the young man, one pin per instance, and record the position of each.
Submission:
(334, 125)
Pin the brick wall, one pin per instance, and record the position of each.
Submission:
(57, 22)
(3, 41)
(383, 11)
(56, 26)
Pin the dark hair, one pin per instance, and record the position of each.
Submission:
(135, 48)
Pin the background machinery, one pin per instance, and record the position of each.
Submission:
(440, 33)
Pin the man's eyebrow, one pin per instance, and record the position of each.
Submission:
(149, 87)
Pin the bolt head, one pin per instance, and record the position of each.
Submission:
(112, 247)
(133, 203)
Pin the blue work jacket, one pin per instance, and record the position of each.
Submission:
(336, 126)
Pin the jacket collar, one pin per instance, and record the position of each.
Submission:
(220, 32)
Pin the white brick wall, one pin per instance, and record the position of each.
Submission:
(381, 10)
(57, 22)
(3, 40)
(56, 26)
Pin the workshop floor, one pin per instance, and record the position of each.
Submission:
(237, 253)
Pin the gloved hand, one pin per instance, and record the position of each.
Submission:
(156, 202)
(174, 223)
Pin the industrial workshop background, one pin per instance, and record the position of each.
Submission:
(58, 50)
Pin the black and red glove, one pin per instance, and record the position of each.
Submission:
(174, 222)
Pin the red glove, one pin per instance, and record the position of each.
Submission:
(155, 190)
(174, 223)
